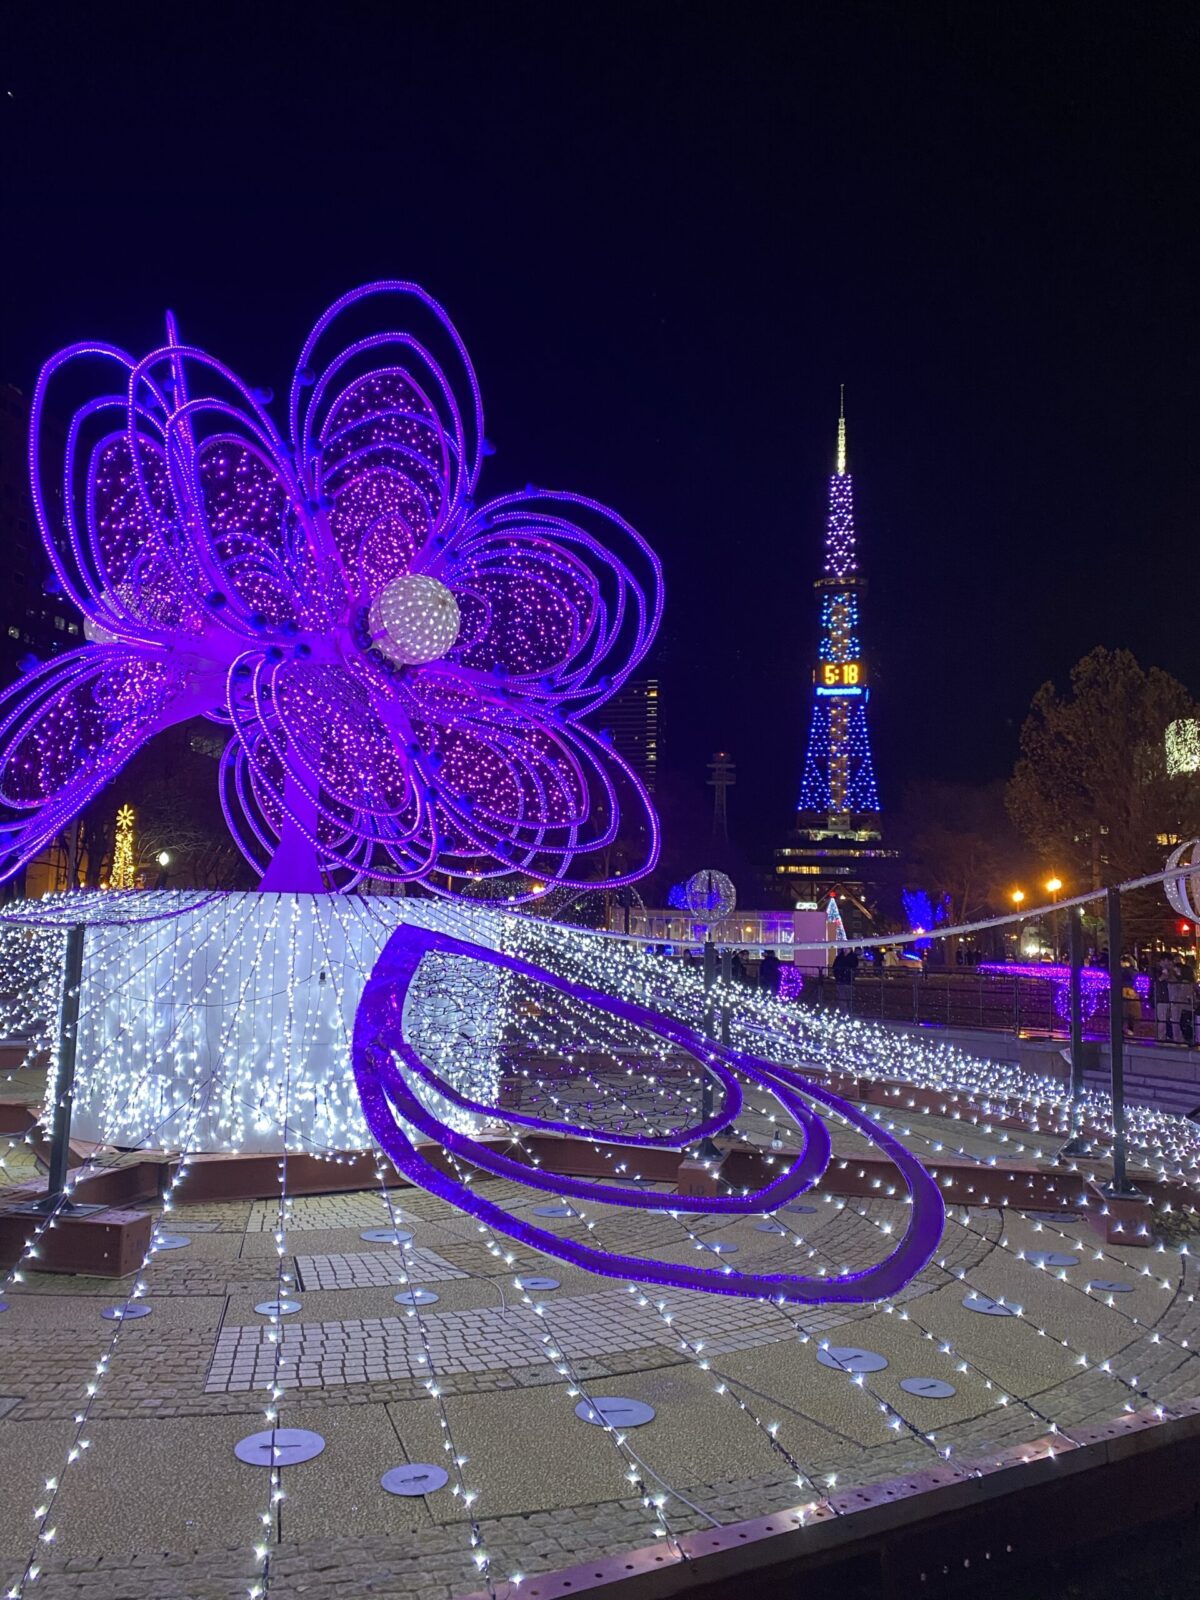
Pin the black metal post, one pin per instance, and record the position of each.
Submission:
(1076, 1144)
(727, 985)
(708, 1150)
(1120, 1188)
(55, 1199)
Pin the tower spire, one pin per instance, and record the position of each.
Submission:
(841, 437)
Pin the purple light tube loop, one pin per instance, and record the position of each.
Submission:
(382, 1086)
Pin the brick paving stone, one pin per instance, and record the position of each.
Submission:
(370, 1269)
(339, 1368)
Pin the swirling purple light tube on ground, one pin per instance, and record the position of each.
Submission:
(385, 1061)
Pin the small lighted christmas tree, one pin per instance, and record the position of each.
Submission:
(121, 876)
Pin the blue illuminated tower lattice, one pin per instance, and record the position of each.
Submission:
(839, 777)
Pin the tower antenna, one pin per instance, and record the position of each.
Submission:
(841, 433)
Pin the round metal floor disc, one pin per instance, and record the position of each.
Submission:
(386, 1235)
(126, 1313)
(616, 1412)
(277, 1308)
(769, 1227)
(928, 1388)
(721, 1247)
(985, 1304)
(170, 1241)
(536, 1282)
(1051, 1258)
(279, 1447)
(552, 1211)
(1110, 1286)
(415, 1479)
(415, 1297)
(851, 1358)
(809, 1210)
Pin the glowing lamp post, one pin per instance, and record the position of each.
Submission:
(1053, 885)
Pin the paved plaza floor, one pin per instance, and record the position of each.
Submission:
(752, 1414)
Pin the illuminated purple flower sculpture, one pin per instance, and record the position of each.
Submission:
(404, 672)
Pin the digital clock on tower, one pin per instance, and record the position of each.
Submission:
(840, 674)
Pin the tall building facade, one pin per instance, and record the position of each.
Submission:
(836, 841)
(631, 719)
(33, 621)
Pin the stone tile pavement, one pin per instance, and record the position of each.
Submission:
(159, 1509)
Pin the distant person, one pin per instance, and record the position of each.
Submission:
(845, 965)
(768, 973)
(737, 967)
(1131, 1001)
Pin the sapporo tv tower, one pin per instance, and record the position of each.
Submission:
(835, 842)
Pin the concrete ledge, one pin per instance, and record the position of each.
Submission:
(106, 1244)
(925, 1533)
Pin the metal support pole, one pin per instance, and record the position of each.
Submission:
(708, 1150)
(55, 1199)
(1076, 1145)
(1120, 1188)
(727, 984)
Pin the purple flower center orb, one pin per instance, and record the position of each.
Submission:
(407, 674)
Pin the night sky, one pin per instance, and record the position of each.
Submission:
(667, 233)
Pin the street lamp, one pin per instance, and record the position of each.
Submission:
(1017, 897)
(164, 861)
(1053, 885)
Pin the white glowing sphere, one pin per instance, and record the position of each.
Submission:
(414, 619)
(1183, 892)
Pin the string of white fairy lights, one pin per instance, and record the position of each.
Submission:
(272, 1517)
(636, 1468)
(101, 1157)
(896, 1418)
(460, 1487)
(1016, 1311)
(727, 1386)
(201, 1090)
(692, 1349)
(1042, 1332)
(645, 974)
(45, 1533)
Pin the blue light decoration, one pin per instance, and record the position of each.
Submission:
(839, 776)
(922, 913)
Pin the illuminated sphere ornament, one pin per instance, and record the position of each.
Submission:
(710, 895)
(405, 673)
(1183, 892)
(416, 619)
